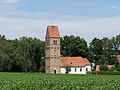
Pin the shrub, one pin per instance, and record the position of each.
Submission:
(104, 68)
(68, 69)
(107, 73)
(118, 67)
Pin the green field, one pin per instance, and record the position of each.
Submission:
(38, 81)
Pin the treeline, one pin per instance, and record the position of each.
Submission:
(103, 51)
(27, 54)
(21, 55)
(100, 51)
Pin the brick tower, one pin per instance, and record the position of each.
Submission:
(52, 50)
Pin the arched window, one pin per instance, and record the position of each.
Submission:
(55, 42)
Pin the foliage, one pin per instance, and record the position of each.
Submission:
(118, 67)
(104, 68)
(38, 81)
(23, 55)
(102, 50)
(68, 69)
(74, 46)
(27, 54)
(107, 73)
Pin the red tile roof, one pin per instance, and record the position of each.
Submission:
(74, 61)
(53, 31)
(98, 67)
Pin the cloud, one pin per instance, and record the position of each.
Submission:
(9, 1)
(44, 16)
(100, 27)
(115, 7)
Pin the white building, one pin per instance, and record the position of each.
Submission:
(78, 65)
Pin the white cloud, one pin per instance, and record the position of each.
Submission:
(101, 27)
(9, 1)
(115, 7)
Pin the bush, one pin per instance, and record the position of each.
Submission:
(68, 69)
(104, 68)
(118, 67)
(107, 73)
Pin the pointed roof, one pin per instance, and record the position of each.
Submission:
(74, 61)
(53, 31)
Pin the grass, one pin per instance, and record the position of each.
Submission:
(40, 81)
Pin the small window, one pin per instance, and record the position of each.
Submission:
(55, 42)
(80, 69)
(75, 69)
(51, 47)
(47, 43)
(47, 57)
(47, 48)
(86, 69)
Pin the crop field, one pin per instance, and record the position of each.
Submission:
(39, 81)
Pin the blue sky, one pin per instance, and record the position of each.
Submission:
(84, 18)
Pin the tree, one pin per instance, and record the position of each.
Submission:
(116, 44)
(101, 51)
(95, 50)
(68, 69)
(104, 68)
(5, 62)
(74, 46)
(5, 54)
(22, 54)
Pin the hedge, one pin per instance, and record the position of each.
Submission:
(107, 72)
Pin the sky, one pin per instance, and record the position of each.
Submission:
(84, 18)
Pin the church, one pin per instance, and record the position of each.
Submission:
(55, 63)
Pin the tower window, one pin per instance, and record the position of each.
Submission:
(47, 42)
(47, 57)
(47, 48)
(51, 47)
(55, 42)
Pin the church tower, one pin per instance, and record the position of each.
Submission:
(52, 50)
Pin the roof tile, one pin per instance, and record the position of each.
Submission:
(53, 31)
(74, 61)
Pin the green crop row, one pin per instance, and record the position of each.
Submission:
(39, 81)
